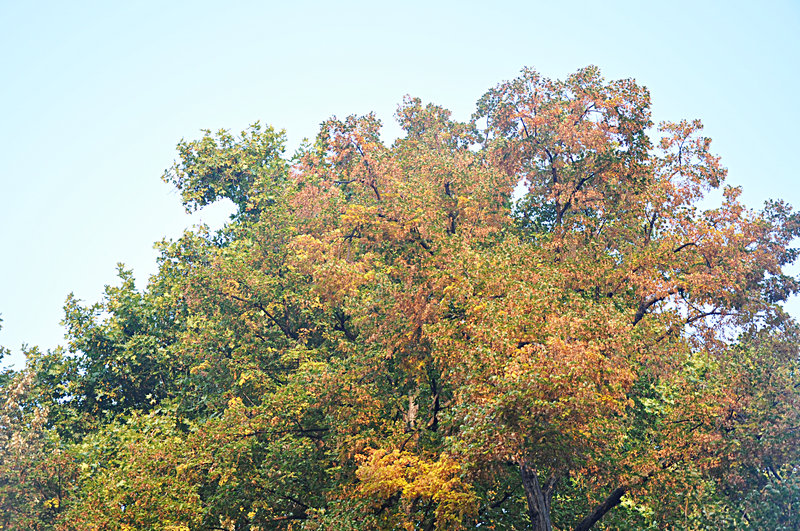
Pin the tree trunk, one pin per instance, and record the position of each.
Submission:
(538, 499)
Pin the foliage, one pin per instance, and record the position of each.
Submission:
(391, 337)
(37, 474)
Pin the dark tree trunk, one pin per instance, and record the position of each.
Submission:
(538, 498)
(612, 501)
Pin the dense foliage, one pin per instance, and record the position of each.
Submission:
(531, 320)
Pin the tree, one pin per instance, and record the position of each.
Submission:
(392, 337)
(571, 346)
(36, 473)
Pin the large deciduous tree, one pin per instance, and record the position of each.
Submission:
(585, 335)
(531, 319)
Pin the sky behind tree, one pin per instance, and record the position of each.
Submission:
(96, 95)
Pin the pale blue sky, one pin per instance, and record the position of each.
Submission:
(95, 95)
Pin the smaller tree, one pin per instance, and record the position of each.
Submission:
(37, 475)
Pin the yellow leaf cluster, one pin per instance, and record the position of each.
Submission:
(385, 473)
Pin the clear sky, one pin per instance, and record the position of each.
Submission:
(94, 97)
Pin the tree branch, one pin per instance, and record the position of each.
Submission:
(600, 511)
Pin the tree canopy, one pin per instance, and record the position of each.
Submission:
(550, 316)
